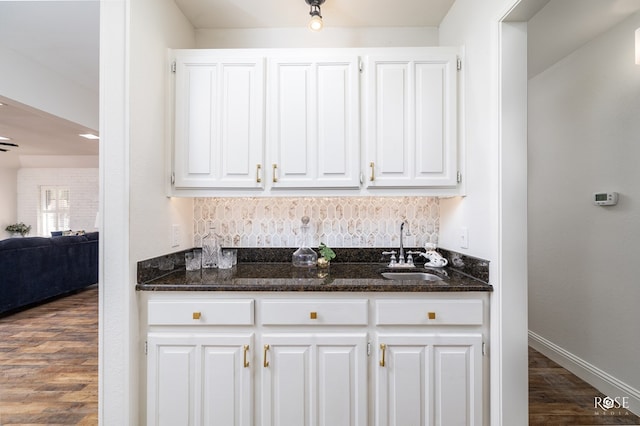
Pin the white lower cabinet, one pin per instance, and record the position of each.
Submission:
(199, 379)
(428, 379)
(314, 379)
(302, 360)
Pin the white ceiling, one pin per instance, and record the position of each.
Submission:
(63, 36)
(295, 13)
(562, 26)
(40, 133)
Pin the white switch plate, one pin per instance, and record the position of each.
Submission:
(175, 235)
(464, 237)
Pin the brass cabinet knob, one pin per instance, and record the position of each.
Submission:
(197, 315)
(313, 315)
(431, 315)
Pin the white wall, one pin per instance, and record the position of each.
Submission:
(584, 115)
(468, 24)
(8, 194)
(155, 27)
(488, 212)
(59, 161)
(77, 172)
(83, 187)
(329, 37)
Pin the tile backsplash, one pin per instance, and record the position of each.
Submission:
(335, 221)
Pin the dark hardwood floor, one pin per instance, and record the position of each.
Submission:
(49, 363)
(49, 372)
(557, 397)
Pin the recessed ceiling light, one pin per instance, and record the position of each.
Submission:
(89, 136)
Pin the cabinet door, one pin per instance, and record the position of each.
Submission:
(219, 135)
(428, 379)
(227, 381)
(411, 120)
(313, 122)
(314, 380)
(171, 380)
(199, 379)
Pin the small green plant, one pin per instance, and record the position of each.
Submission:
(20, 228)
(326, 252)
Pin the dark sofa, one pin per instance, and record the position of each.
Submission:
(35, 269)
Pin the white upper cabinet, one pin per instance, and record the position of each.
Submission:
(410, 119)
(219, 121)
(313, 121)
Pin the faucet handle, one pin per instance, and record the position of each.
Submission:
(392, 261)
(409, 259)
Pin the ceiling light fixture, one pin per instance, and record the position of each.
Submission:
(4, 144)
(89, 136)
(315, 24)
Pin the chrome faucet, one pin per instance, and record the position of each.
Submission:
(401, 254)
(401, 261)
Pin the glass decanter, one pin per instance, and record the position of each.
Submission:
(304, 257)
(210, 249)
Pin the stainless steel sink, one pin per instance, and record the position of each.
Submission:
(416, 276)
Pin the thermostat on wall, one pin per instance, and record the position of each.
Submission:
(605, 198)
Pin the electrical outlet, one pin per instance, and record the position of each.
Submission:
(175, 235)
(464, 237)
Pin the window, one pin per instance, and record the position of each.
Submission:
(54, 206)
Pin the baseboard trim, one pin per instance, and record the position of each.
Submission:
(599, 379)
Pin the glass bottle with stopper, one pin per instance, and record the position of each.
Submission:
(210, 249)
(304, 257)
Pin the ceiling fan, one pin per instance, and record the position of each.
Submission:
(7, 144)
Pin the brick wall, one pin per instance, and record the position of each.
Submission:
(84, 187)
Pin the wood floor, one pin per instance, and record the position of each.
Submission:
(49, 363)
(557, 397)
(49, 373)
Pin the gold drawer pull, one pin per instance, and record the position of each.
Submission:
(383, 348)
(197, 315)
(373, 171)
(258, 168)
(274, 178)
(431, 315)
(265, 363)
(313, 315)
(245, 349)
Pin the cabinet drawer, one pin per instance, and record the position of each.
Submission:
(429, 312)
(201, 312)
(315, 312)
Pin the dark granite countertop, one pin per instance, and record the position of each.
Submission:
(281, 276)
